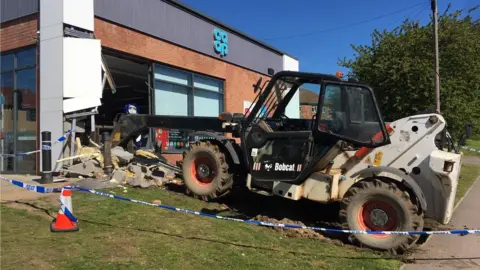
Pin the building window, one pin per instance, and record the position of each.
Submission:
(314, 109)
(18, 95)
(182, 93)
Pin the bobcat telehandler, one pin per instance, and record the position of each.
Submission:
(387, 177)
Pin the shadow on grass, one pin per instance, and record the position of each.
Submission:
(195, 238)
(244, 204)
(29, 204)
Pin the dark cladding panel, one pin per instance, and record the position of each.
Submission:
(167, 22)
(178, 26)
(13, 9)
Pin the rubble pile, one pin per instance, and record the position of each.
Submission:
(302, 233)
(143, 169)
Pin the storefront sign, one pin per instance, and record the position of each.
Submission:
(172, 139)
(220, 42)
(177, 140)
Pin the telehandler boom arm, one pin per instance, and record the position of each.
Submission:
(130, 126)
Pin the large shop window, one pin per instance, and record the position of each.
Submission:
(184, 93)
(18, 125)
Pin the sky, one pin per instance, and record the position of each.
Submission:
(288, 24)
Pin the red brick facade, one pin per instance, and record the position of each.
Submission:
(238, 81)
(18, 33)
(306, 111)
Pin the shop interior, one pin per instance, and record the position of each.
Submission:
(131, 81)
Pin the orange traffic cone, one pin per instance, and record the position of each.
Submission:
(65, 220)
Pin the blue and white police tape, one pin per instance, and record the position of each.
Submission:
(471, 149)
(41, 189)
(253, 222)
(44, 147)
(272, 224)
(37, 189)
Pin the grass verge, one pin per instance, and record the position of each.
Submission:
(120, 235)
(475, 144)
(468, 175)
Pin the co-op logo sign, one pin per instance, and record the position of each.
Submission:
(220, 42)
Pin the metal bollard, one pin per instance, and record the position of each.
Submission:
(107, 155)
(105, 136)
(46, 144)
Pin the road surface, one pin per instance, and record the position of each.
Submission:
(452, 251)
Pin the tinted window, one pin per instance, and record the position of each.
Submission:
(6, 87)
(182, 93)
(350, 112)
(6, 62)
(361, 105)
(332, 102)
(26, 85)
(26, 58)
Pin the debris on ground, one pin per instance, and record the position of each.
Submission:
(142, 169)
(295, 233)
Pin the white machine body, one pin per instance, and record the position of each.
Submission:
(412, 152)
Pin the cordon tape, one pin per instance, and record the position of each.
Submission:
(44, 147)
(471, 149)
(41, 189)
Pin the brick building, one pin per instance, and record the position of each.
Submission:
(164, 57)
(308, 103)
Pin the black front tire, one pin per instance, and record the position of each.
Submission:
(382, 204)
(219, 180)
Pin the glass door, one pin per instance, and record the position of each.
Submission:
(18, 106)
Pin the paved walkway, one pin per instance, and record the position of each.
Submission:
(452, 251)
(9, 192)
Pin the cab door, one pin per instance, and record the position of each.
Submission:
(349, 112)
(276, 155)
(281, 150)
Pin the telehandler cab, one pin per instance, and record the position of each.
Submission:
(386, 177)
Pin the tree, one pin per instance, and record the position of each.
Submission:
(399, 65)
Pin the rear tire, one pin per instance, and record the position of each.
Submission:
(382, 205)
(206, 171)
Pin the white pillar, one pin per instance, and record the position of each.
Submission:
(57, 57)
(293, 108)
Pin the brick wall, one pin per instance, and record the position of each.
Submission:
(306, 111)
(18, 33)
(238, 81)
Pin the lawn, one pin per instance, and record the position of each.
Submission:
(121, 235)
(469, 174)
(475, 144)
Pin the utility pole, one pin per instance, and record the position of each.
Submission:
(437, 65)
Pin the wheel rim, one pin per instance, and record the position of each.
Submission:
(203, 170)
(376, 215)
